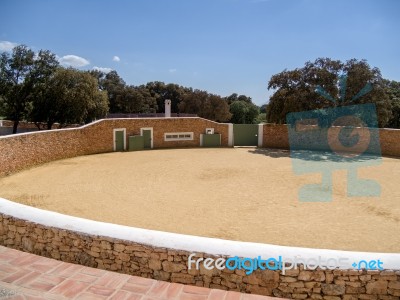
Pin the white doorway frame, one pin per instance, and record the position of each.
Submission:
(114, 137)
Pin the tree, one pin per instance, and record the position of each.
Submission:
(205, 105)
(115, 87)
(148, 103)
(161, 92)
(242, 108)
(295, 90)
(98, 107)
(243, 112)
(263, 108)
(216, 109)
(393, 91)
(70, 97)
(15, 84)
(137, 100)
(236, 97)
(45, 65)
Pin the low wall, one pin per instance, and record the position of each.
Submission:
(21, 151)
(277, 136)
(164, 256)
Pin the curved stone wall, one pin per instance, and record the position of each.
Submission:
(276, 136)
(21, 151)
(164, 256)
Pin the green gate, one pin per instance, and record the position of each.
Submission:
(119, 140)
(245, 134)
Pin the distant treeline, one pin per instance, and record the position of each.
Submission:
(35, 88)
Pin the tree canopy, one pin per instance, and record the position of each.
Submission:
(69, 97)
(205, 105)
(242, 109)
(296, 90)
(393, 90)
(16, 83)
(34, 87)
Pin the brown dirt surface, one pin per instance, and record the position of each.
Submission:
(238, 194)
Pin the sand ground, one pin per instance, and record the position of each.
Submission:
(239, 194)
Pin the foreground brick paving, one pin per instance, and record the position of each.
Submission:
(27, 276)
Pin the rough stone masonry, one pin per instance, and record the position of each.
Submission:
(171, 265)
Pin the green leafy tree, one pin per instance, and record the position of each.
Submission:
(205, 105)
(393, 91)
(295, 90)
(115, 87)
(98, 107)
(263, 108)
(261, 118)
(243, 112)
(138, 100)
(236, 97)
(16, 85)
(70, 97)
(45, 65)
(148, 103)
(161, 92)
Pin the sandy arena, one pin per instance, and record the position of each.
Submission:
(238, 194)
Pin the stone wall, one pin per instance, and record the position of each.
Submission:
(390, 141)
(276, 136)
(18, 152)
(171, 265)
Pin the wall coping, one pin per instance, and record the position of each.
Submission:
(183, 242)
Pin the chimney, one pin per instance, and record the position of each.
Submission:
(167, 103)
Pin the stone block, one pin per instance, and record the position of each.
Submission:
(332, 289)
(378, 287)
(172, 267)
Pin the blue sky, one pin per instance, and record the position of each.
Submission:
(222, 46)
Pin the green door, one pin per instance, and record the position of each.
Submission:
(119, 140)
(245, 134)
(147, 138)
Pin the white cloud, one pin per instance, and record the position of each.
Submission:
(172, 70)
(73, 61)
(116, 58)
(7, 46)
(104, 70)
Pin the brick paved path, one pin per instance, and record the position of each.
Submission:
(28, 276)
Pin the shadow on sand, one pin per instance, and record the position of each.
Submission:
(315, 155)
(274, 153)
